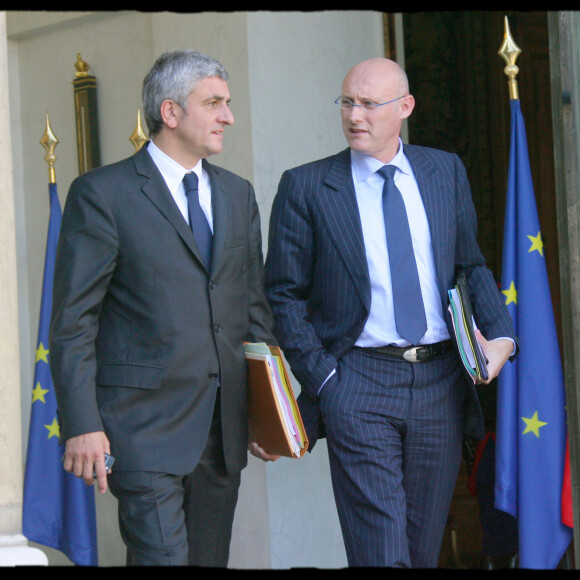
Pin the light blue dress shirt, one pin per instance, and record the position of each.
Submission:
(380, 329)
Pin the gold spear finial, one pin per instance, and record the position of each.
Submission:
(81, 66)
(510, 51)
(138, 137)
(49, 142)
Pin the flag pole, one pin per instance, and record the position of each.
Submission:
(49, 142)
(510, 51)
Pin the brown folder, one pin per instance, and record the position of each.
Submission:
(274, 419)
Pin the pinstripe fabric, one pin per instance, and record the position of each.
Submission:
(394, 439)
(318, 285)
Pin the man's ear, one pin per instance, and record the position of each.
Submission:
(170, 113)
(407, 106)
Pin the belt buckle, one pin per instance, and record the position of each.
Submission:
(410, 355)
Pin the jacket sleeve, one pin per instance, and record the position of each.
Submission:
(489, 309)
(85, 262)
(260, 314)
(289, 276)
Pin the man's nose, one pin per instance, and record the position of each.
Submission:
(226, 116)
(355, 113)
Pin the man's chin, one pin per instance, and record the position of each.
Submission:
(357, 141)
(357, 146)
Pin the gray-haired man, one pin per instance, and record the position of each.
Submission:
(147, 332)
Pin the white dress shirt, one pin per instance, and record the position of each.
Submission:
(380, 329)
(173, 173)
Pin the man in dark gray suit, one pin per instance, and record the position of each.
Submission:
(383, 382)
(147, 330)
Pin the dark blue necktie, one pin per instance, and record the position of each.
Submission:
(409, 309)
(197, 220)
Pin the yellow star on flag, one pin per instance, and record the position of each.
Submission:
(511, 294)
(41, 353)
(537, 244)
(38, 393)
(533, 425)
(53, 429)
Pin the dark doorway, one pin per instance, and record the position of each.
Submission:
(462, 105)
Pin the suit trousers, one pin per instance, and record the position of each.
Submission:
(179, 520)
(394, 432)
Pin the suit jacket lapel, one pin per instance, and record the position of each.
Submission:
(220, 210)
(339, 208)
(155, 188)
(435, 202)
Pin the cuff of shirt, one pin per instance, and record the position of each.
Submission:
(325, 381)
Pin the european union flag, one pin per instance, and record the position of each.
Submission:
(58, 508)
(531, 419)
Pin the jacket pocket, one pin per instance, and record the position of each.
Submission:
(128, 375)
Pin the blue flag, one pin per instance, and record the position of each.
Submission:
(531, 418)
(58, 508)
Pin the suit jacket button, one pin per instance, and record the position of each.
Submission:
(213, 376)
(217, 328)
(212, 285)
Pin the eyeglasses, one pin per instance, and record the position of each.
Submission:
(346, 104)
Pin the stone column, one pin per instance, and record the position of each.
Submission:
(14, 550)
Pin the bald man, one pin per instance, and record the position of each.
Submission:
(380, 377)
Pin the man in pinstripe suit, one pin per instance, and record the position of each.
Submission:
(393, 412)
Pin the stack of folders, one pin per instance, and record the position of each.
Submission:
(464, 326)
(275, 422)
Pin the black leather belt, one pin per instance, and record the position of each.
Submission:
(413, 354)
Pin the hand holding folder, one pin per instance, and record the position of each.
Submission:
(464, 326)
(275, 423)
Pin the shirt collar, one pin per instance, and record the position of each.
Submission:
(172, 171)
(364, 165)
